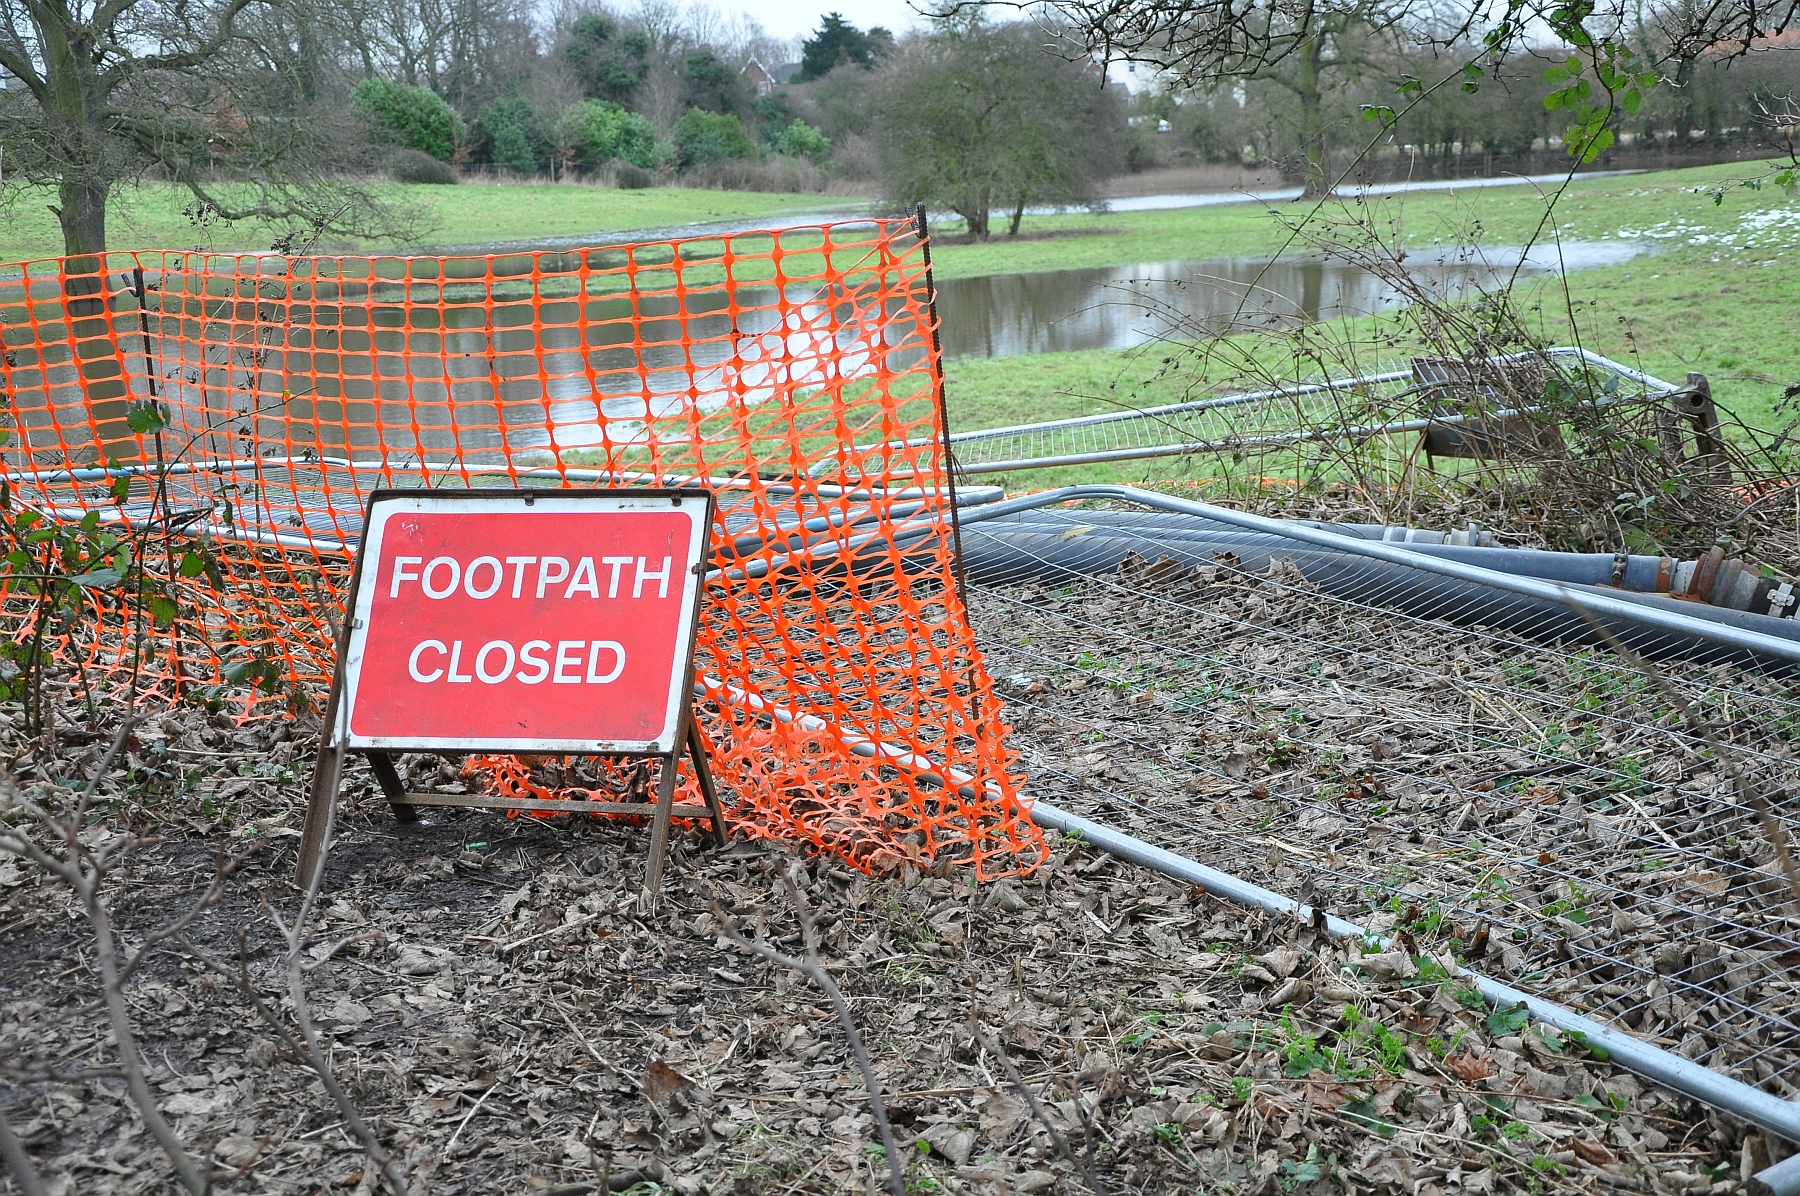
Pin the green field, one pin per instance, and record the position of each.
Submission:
(149, 216)
(1720, 295)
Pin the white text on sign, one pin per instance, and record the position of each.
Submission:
(567, 662)
(486, 576)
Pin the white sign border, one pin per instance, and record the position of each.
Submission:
(385, 504)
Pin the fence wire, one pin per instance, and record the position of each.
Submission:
(1538, 807)
(1342, 410)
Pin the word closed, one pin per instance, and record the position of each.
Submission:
(562, 624)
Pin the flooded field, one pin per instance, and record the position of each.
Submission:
(1118, 307)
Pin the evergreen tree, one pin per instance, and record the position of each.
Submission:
(608, 62)
(837, 43)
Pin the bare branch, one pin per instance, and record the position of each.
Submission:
(813, 970)
(82, 872)
(18, 1162)
(302, 1038)
(1061, 1143)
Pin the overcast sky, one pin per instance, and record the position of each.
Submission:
(798, 18)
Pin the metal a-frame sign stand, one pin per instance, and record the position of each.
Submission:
(380, 711)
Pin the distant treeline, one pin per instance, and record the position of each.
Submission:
(1723, 109)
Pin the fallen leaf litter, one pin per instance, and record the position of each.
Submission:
(1193, 1045)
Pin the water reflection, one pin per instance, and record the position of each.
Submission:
(626, 362)
(1118, 307)
(424, 372)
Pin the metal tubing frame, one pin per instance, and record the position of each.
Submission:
(1396, 553)
(1771, 1113)
(1777, 1116)
(1657, 386)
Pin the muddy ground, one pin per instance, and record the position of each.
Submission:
(511, 1020)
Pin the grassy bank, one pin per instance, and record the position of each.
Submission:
(1718, 295)
(1664, 207)
(150, 216)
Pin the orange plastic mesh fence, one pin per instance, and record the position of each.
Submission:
(252, 402)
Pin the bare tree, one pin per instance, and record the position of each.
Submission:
(1201, 43)
(983, 117)
(203, 93)
(1334, 43)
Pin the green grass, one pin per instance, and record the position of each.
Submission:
(1718, 296)
(149, 215)
(1670, 205)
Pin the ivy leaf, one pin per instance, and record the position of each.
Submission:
(1508, 1020)
(1364, 1113)
(146, 417)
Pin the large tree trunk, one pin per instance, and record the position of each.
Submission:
(77, 98)
(975, 215)
(83, 217)
(1312, 118)
(1688, 110)
(96, 350)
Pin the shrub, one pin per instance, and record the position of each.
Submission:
(702, 137)
(412, 117)
(801, 140)
(510, 136)
(600, 131)
(634, 178)
(411, 166)
(775, 173)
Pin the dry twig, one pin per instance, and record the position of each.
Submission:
(302, 1039)
(813, 970)
(83, 869)
(18, 1162)
(1061, 1143)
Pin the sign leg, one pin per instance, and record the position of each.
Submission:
(326, 777)
(388, 777)
(696, 742)
(659, 826)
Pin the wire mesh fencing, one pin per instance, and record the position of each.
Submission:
(1415, 758)
(235, 411)
(1338, 411)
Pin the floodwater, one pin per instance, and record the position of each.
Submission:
(1207, 199)
(852, 210)
(777, 340)
(550, 372)
(1120, 307)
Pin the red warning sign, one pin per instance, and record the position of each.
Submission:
(506, 620)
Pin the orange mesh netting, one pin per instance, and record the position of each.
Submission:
(792, 372)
